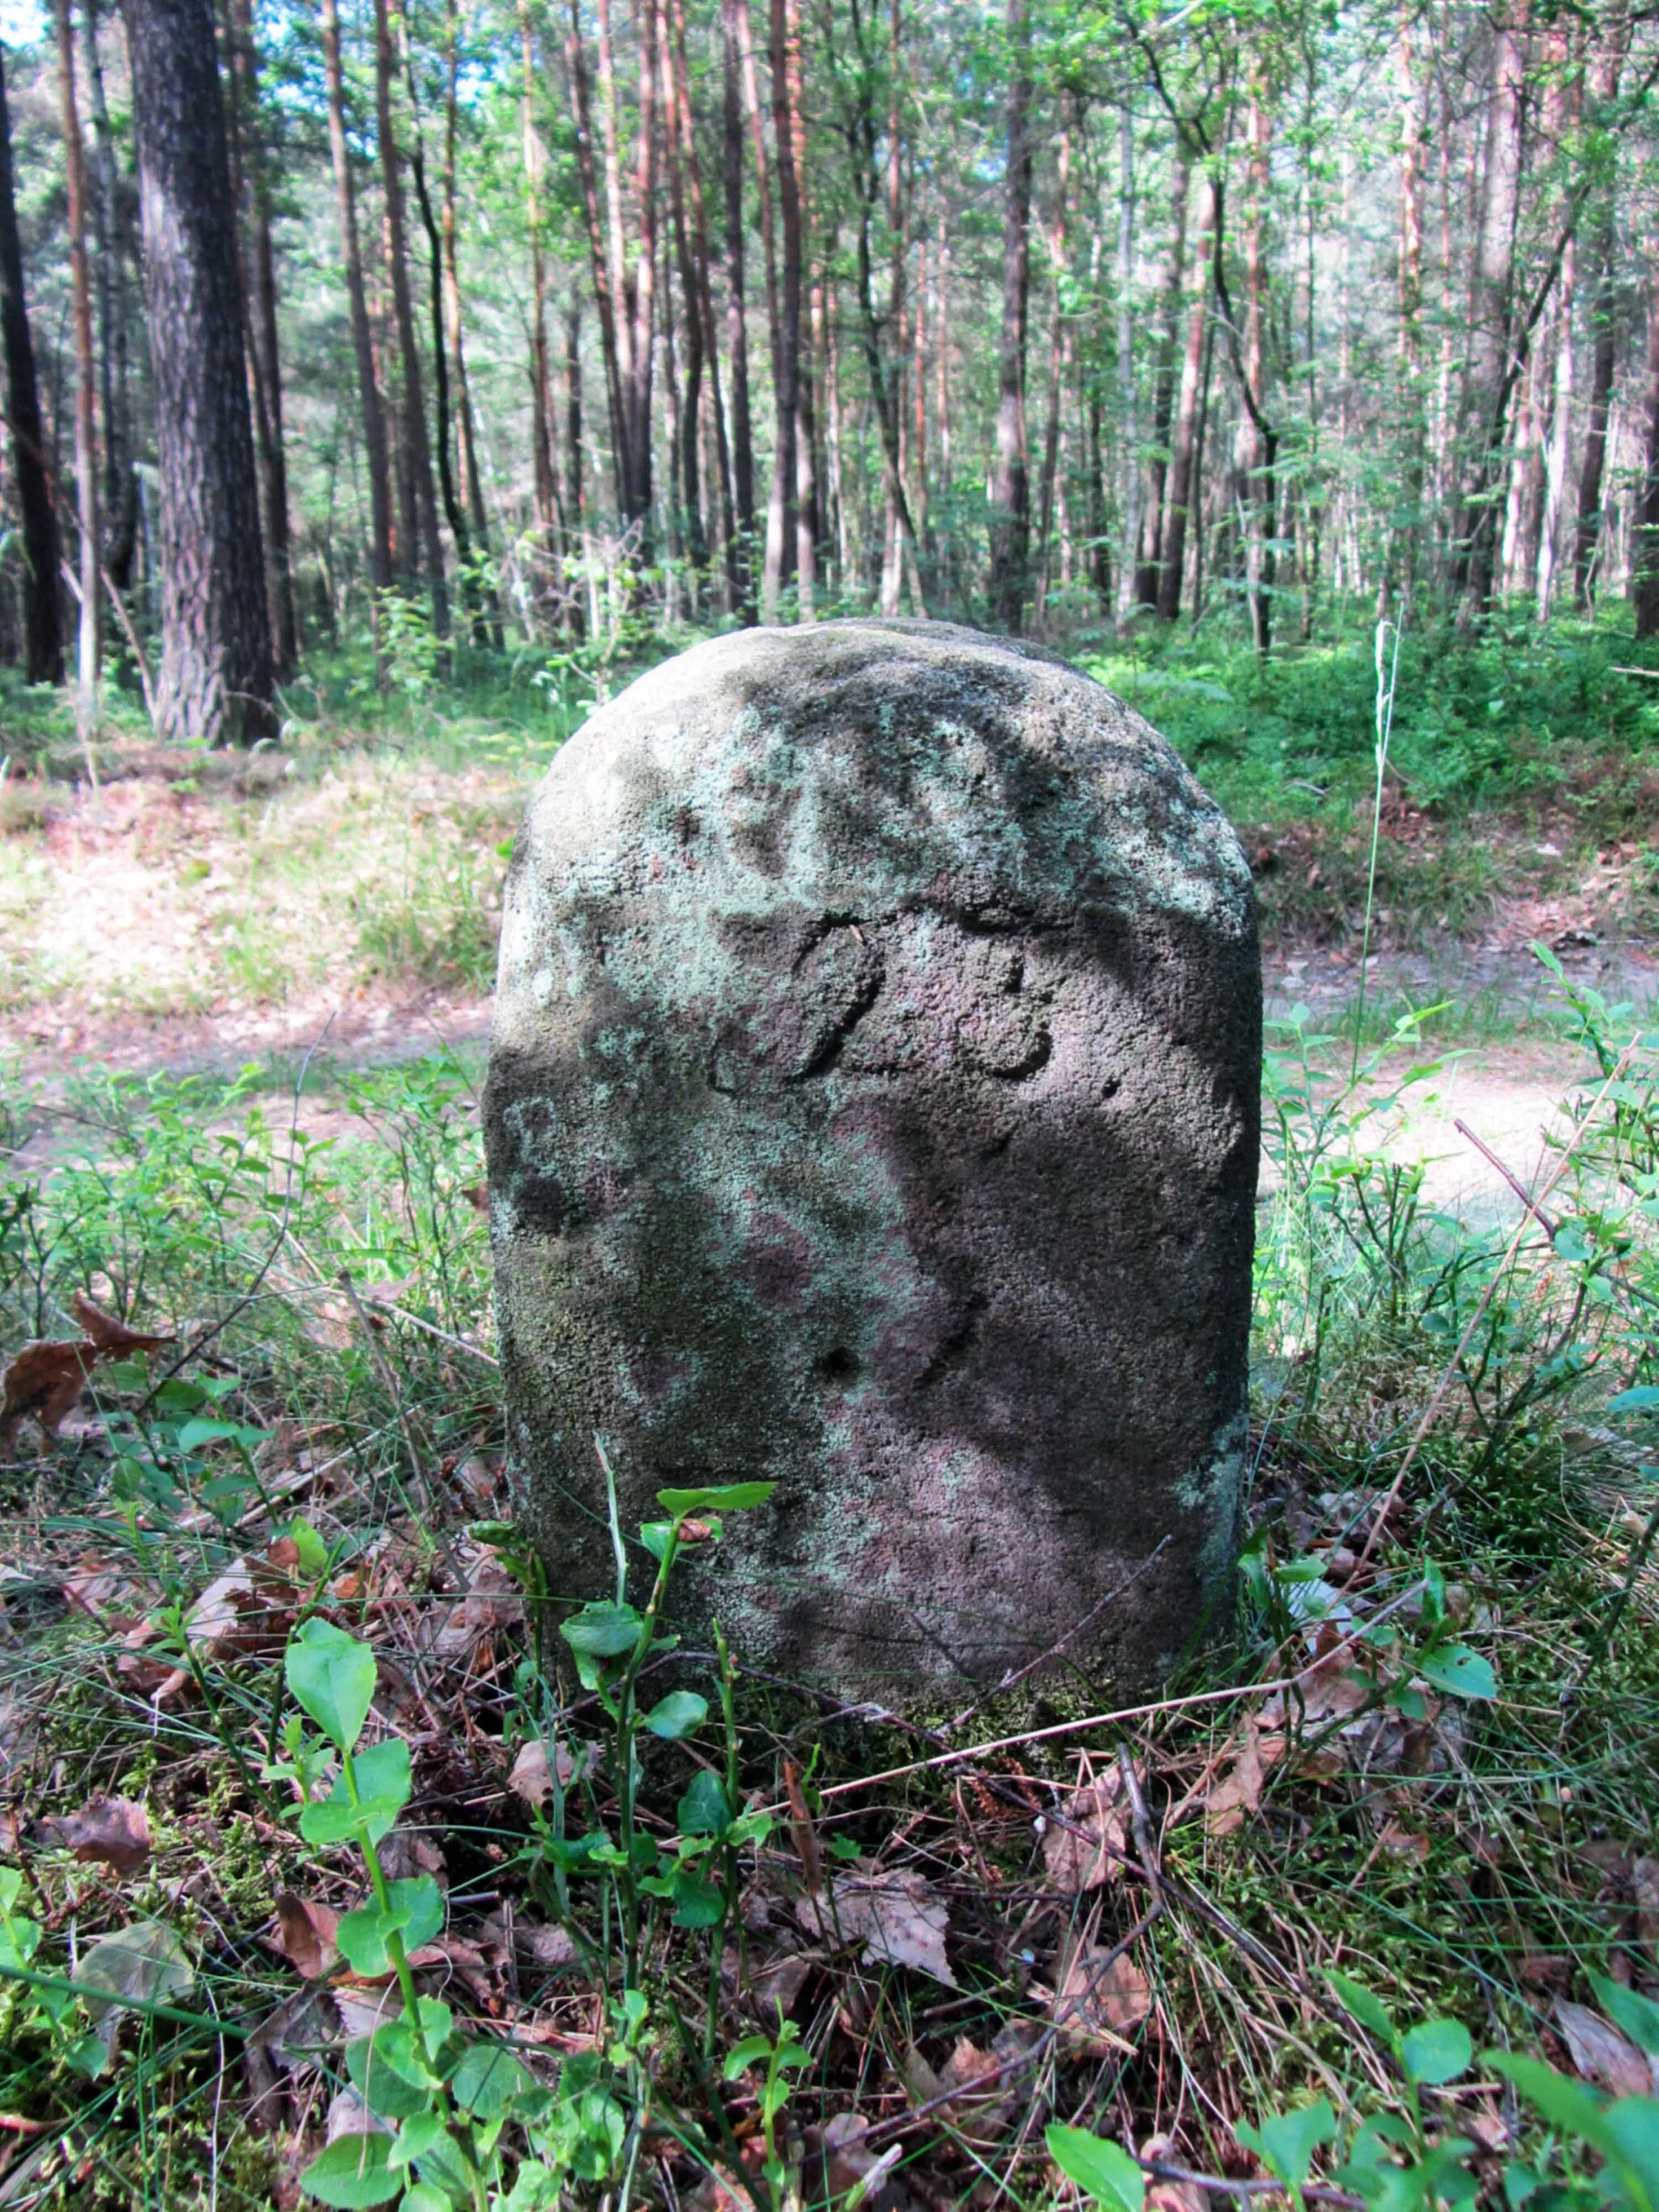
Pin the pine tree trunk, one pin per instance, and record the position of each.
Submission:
(1009, 583)
(737, 336)
(1172, 542)
(1127, 413)
(1645, 548)
(264, 357)
(43, 605)
(781, 531)
(376, 459)
(215, 682)
(89, 666)
(1605, 74)
(414, 439)
(1492, 316)
(116, 254)
(1154, 521)
(545, 487)
(701, 264)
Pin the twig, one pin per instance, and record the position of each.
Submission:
(1546, 1222)
(1141, 1825)
(1012, 1680)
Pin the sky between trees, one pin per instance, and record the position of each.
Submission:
(565, 321)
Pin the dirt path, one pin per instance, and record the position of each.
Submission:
(1502, 1073)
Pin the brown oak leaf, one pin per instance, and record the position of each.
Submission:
(42, 1382)
(111, 1336)
(113, 1832)
(304, 1934)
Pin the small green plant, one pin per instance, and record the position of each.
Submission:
(451, 2100)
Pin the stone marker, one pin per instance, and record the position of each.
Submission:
(873, 1105)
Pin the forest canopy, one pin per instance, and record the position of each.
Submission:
(571, 324)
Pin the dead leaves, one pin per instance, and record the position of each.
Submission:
(305, 1936)
(1103, 1997)
(1603, 2054)
(897, 1917)
(41, 1384)
(110, 1336)
(1084, 1847)
(113, 1832)
(44, 1378)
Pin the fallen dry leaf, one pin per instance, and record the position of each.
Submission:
(1403, 1843)
(1081, 1861)
(897, 1917)
(1100, 2001)
(41, 1383)
(304, 1935)
(849, 2165)
(491, 1601)
(1600, 2053)
(530, 1777)
(1238, 1792)
(114, 1831)
(112, 1337)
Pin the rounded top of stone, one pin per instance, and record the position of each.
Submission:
(870, 766)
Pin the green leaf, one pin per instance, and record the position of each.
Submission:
(423, 2198)
(419, 2134)
(703, 1810)
(742, 2055)
(1286, 2142)
(723, 1498)
(1638, 2015)
(1367, 2009)
(332, 1675)
(415, 1909)
(1457, 1670)
(1563, 2102)
(489, 2080)
(681, 1713)
(1632, 2134)
(378, 2083)
(654, 1535)
(698, 1903)
(383, 1787)
(314, 1552)
(1638, 1400)
(1101, 2169)
(603, 1630)
(1437, 2051)
(353, 2170)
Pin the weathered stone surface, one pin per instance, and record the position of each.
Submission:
(873, 1104)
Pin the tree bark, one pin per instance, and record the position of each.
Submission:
(86, 437)
(43, 605)
(264, 357)
(216, 681)
(1172, 542)
(376, 459)
(1645, 551)
(1492, 315)
(1009, 581)
(1167, 359)
(415, 438)
(116, 254)
(544, 482)
(782, 536)
(705, 303)
(1606, 71)
(737, 336)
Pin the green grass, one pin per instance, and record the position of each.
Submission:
(1477, 1875)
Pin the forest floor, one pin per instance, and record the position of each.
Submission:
(243, 1012)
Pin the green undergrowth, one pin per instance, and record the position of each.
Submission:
(662, 1930)
(1519, 760)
